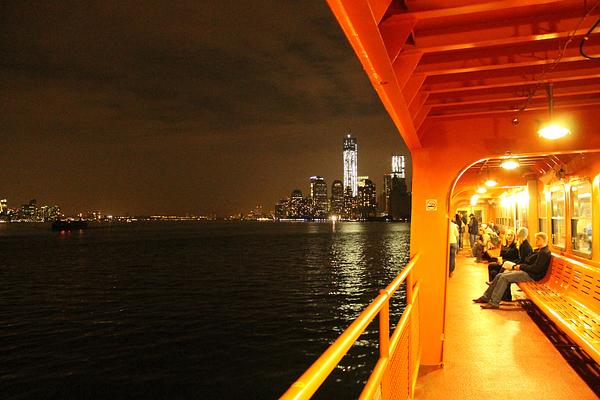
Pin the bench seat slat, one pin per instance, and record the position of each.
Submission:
(569, 296)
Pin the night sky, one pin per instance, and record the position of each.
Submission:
(180, 107)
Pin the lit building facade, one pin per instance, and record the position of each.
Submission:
(367, 198)
(318, 194)
(337, 198)
(398, 166)
(351, 164)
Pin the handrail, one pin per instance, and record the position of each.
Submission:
(316, 374)
(380, 368)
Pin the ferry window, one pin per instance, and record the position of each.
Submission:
(581, 217)
(557, 203)
(543, 224)
(522, 206)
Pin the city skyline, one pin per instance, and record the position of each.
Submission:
(179, 108)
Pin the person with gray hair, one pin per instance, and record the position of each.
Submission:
(533, 269)
(523, 244)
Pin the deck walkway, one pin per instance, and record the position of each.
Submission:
(494, 354)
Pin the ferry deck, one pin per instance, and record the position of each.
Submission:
(500, 91)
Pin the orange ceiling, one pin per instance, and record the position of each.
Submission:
(469, 58)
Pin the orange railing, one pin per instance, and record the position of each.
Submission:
(398, 364)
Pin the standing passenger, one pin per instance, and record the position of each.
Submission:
(458, 221)
(473, 231)
(452, 239)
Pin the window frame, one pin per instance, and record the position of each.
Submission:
(558, 188)
(575, 183)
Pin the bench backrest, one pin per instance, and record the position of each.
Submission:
(576, 280)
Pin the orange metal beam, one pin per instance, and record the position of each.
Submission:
(503, 42)
(364, 36)
(420, 117)
(512, 100)
(496, 67)
(474, 9)
(394, 34)
(378, 8)
(517, 83)
(404, 66)
(583, 104)
(412, 87)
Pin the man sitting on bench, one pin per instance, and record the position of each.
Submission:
(533, 269)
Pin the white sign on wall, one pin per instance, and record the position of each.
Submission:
(431, 205)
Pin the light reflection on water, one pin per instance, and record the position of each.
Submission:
(183, 310)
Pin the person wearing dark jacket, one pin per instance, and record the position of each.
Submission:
(473, 231)
(533, 269)
(524, 246)
(508, 252)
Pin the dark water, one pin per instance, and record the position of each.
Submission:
(187, 310)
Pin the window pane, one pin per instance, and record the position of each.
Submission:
(557, 203)
(543, 225)
(581, 217)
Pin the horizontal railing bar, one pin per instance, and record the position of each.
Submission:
(316, 374)
(395, 284)
(376, 377)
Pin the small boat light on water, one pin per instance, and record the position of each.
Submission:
(553, 131)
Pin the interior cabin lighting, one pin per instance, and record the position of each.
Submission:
(481, 189)
(553, 131)
(491, 182)
(510, 163)
(474, 199)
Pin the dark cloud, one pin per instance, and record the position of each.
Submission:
(173, 106)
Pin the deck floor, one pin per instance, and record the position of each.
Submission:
(494, 354)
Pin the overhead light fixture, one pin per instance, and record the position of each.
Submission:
(553, 130)
(474, 199)
(481, 189)
(491, 182)
(509, 162)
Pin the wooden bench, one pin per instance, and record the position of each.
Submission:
(569, 295)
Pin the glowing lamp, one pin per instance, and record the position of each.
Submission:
(553, 131)
(510, 163)
(481, 189)
(491, 183)
(474, 199)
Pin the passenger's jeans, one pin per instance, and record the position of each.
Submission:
(494, 293)
(472, 240)
(453, 247)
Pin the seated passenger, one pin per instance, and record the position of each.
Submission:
(508, 252)
(534, 268)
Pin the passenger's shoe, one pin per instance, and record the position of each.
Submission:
(481, 299)
(489, 306)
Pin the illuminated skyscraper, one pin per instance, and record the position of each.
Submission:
(351, 164)
(318, 194)
(398, 166)
(337, 198)
(366, 201)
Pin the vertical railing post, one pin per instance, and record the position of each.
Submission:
(384, 340)
(409, 288)
(409, 300)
